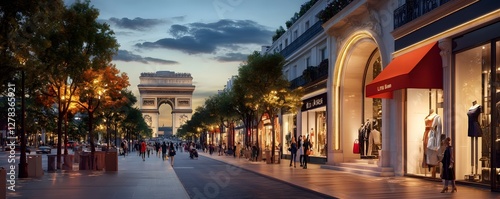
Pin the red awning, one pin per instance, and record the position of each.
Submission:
(421, 68)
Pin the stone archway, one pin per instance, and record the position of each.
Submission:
(166, 87)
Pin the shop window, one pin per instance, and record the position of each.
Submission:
(424, 126)
(473, 104)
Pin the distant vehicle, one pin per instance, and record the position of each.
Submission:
(72, 144)
(44, 150)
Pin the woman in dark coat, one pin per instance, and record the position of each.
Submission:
(307, 147)
(164, 149)
(171, 153)
(448, 173)
(293, 151)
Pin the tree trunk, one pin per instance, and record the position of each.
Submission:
(59, 137)
(91, 135)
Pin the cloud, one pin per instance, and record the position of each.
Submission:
(232, 57)
(136, 24)
(196, 38)
(127, 56)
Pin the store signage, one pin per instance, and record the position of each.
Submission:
(383, 87)
(314, 102)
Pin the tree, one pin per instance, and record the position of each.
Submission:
(101, 88)
(23, 28)
(267, 90)
(78, 44)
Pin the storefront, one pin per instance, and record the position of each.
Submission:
(289, 122)
(419, 73)
(313, 120)
(357, 120)
(444, 82)
(476, 64)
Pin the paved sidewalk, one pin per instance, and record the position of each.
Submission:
(341, 184)
(135, 179)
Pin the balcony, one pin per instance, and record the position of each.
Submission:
(302, 39)
(311, 75)
(414, 9)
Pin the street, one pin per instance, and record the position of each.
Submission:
(209, 178)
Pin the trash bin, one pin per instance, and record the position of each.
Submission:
(99, 160)
(76, 156)
(3, 183)
(35, 166)
(277, 155)
(68, 163)
(51, 162)
(84, 161)
(268, 157)
(111, 160)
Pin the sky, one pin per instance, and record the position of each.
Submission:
(207, 38)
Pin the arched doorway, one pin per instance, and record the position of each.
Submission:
(358, 63)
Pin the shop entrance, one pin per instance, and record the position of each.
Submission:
(360, 118)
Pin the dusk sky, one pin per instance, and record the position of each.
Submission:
(207, 38)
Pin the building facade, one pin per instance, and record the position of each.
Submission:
(402, 76)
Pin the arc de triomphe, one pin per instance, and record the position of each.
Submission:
(166, 87)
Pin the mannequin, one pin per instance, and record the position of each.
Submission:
(367, 129)
(374, 141)
(474, 131)
(361, 135)
(434, 141)
(429, 119)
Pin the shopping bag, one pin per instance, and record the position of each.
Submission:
(355, 147)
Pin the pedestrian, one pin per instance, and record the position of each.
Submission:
(301, 151)
(143, 150)
(293, 151)
(150, 149)
(234, 151)
(171, 153)
(157, 148)
(123, 148)
(307, 148)
(255, 151)
(448, 174)
(164, 150)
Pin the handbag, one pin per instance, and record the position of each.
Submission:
(309, 152)
(355, 147)
(440, 154)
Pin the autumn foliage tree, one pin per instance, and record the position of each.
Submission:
(101, 89)
(79, 43)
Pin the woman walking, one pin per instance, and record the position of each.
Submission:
(448, 174)
(164, 148)
(143, 150)
(171, 153)
(293, 150)
(307, 147)
(301, 151)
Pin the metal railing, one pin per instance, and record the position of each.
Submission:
(314, 74)
(302, 39)
(413, 9)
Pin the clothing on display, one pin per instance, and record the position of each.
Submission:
(364, 134)
(374, 142)
(369, 138)
(431, 139)
(474, 129)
